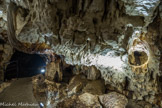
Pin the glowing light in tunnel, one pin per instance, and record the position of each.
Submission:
(41, 104)
(43, 70)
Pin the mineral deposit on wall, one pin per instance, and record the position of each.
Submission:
(119, 41)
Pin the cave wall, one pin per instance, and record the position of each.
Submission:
(6, 50)
(122, 39)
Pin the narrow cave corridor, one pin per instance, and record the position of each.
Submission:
(24, 65)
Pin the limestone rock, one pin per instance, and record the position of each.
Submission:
(96, 87)
(94, 33)
(54, 70)
(113, 100)
(119, 38)
(76, 84)
(94, 73)
(69, 102)
(91, 72)
(139, 104)
(90, 100)
(85, 100)
(143, 8)
(6, 52)
(39, 88)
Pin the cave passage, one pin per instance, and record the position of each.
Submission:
(24, 65)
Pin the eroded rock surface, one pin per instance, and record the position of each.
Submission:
(117, 41)
(6, 52)
(78, 93)
(113, 100)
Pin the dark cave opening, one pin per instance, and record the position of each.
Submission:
(160, 79)
(24, 65)
(2, 41)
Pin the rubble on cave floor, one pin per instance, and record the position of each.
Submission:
(81, 92)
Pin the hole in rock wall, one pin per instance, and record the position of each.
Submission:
(24, 65)
(160, 79)
(160, 82)
(138, 58)
(2, 41)
(57, 70)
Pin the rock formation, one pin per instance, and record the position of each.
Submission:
(6, 50)
(118, 41)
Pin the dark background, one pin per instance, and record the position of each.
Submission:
(24, 65)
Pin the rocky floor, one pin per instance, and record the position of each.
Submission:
(80, 92)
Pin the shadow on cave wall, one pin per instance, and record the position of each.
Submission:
(24, 65)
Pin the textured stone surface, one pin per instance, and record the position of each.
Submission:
(113, 100)
(6, 52)
(76, 84)
(65, 95)
(90, 100)
(96, 87)
(143, 8)
(5, 48)
(91, 72)
(54, 71)
(121, 39)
